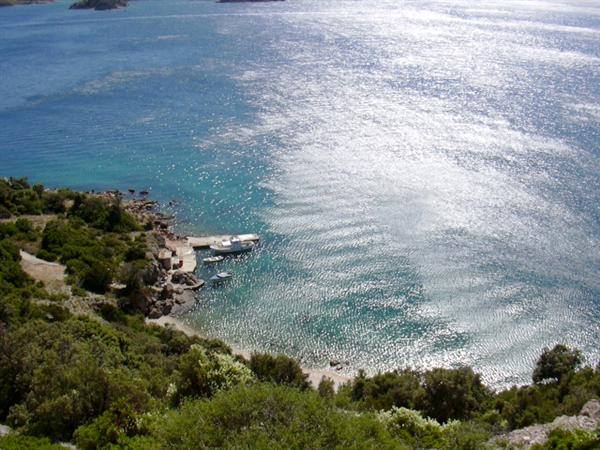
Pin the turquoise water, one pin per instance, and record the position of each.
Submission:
(424, 174)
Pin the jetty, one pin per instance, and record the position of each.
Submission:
(182, 254)
(206, 241)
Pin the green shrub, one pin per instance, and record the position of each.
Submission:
(556, 363)
(202, 374)
(5, 212)
(326, 388)
(278, 369)
(453, 393)
(386, 390)
(265, 416)
(571, 440)
(411, 427)
(19, 442)
(97, 277)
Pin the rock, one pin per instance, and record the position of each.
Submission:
(151, 274)
(167, 291)
(334, 363)
(183, 303)
(591, 409)
(155, 313)
(160, 240)
(165, 257)
(142, 301)
(4, 430)
(538, 434)
(167, 307)
(573, 423)
(529, 436)
(181, 277)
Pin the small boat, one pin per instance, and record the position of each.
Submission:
(232, 246)
(212, 259)
(221, 276)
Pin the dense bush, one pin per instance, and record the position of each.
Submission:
(453, 393)
(19, 442)
(386, 390)
(526, 405)
(556, 363)
(571, 440)
(103, 214)
(265, 416)
(92, 257)
(84, 369)
(442, 394)
(278, 369)
(203, 373)
(18, 197)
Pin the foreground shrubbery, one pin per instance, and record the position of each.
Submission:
(111, 381)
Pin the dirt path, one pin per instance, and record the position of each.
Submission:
(51, 274)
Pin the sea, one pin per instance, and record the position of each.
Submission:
(424, 175)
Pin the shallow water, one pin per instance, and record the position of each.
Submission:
(425, 174)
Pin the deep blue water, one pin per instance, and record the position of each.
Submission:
(425, 174)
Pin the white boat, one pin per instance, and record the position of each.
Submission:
(221, 276)
(212, 259)
(231, 246)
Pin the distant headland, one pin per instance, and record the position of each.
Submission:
(247, 1)
(98, 5)
(22, 2)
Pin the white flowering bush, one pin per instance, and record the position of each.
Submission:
(410, 421)
(202, 374)
(412, 427)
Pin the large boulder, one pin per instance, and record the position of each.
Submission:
(150, 274)
(167, 291)
(142, 301)
(181, 277)
(592, 410)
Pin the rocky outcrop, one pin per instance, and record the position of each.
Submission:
(99, 5)
(592, 410)
(525, 438)
(187, 280)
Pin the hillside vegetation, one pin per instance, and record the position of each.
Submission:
(109, 380)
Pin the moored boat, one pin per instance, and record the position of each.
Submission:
(221, 276)
(232, 246)
(212, 259)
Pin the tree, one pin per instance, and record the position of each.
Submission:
(401, 388)
(279, 369)
(453, 393)
(556, 363)
(326, 388)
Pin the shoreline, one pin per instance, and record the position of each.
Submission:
(146, 211)
(314, 375)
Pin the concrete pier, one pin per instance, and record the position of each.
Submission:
(185, 253)
(207, 241)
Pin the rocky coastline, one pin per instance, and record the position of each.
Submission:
(169, 282)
